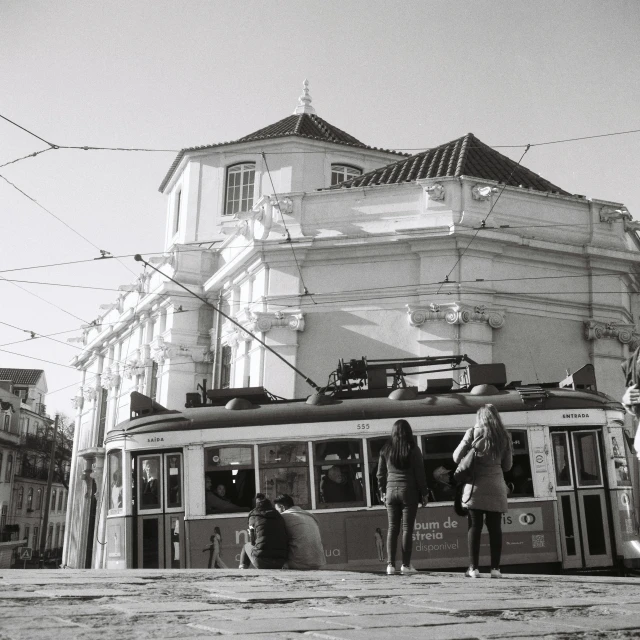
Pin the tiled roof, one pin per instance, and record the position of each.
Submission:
(21, 376)
(303, 125)
(466, 156)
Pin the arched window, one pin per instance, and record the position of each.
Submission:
(54, 495)
(342, 172)
(239, 194)
(30, 498)
(7, 422)
(9, 468)
(39, 499)
(20, 498)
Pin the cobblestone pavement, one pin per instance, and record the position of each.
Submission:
(326, 605)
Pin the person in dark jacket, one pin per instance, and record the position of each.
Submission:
(486, 498)
(402, 483)
(269, 546)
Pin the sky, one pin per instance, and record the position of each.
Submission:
(166, 75)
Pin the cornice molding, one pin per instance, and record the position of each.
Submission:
(624, 333)
(610, 214)
(455, 313)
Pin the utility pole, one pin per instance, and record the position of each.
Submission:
(47, 497)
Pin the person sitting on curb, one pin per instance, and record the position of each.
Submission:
(305, 544)
(268, 535)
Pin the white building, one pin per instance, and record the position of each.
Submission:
(326, 248)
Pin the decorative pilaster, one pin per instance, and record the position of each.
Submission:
(90, 391)
(109, 379)
(162, 350)
(455, 313)
(624, 333)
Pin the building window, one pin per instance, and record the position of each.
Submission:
(8, 469)
(0, 466)
(35, 543)
(240, 181)
(343, 172)
(20, 498)
(26, 533)
(30, 499)
(104, 398)
(57, 538)
(53, 500)
(176, 212)
(39, 499)
(49, 536)
(225, 368)
(3, 516)
(7, 422)
(153, 391)
(60, 496)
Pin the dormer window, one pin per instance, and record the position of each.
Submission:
(240, 181)
(342, 172)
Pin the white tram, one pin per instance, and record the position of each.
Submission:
(571, 492)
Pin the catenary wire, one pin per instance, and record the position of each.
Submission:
(446, 278)
(284, 224)
(24, 193)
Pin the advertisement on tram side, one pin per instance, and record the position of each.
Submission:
(357, 539)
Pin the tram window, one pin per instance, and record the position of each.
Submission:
(284, 468)
(339, 473)
(561, 459)
(519, 479)
(375, 446)
(115, 481)
(587, 459)
(174, 480)
(230, 479)
(437, 454)
(149, 482)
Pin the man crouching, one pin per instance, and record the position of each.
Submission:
(305, 544)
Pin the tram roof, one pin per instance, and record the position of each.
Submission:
(299, 412)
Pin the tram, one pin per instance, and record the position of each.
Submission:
(194, 472)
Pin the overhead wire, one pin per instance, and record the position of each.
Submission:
(446, 278)
(284, 224)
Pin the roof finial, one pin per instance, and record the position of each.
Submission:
(304, 101)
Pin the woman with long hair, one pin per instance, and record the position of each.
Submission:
(486, 498)
(402, 483)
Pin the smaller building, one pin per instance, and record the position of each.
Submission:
(25, 445)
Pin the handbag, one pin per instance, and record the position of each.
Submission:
(465, 471)
(458, 507)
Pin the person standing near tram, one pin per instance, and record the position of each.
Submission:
(402, 483)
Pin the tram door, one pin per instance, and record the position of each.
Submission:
(159, 495)
(582, 506)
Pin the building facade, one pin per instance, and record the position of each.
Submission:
(326, 248)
